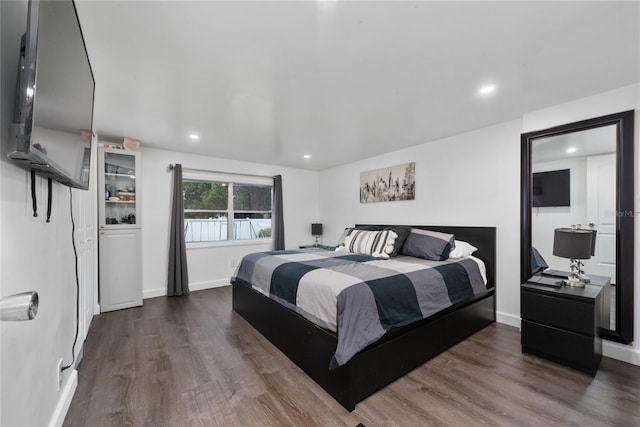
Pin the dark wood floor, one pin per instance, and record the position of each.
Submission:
(191, 361)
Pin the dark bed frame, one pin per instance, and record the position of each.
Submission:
(398, 352)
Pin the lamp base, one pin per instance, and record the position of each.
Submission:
(576, 283)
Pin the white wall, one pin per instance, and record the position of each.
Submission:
(614, 101)
(35, 256)
(470, 179)
(212, 266)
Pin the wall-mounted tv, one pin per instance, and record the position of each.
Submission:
(552, 188)
(54, 96)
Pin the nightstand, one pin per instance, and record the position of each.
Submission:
(562, 324)
(314, 246)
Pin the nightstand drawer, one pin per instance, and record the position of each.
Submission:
(572, 315)
(567, 348)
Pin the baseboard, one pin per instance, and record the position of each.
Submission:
(152, 293)
(198, 286)
(64, 400)
(508, 319)
(209, 284)
(621, 352)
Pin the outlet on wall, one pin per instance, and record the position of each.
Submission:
(59, 373)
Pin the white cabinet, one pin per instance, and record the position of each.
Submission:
(119, 251)
(120, 272)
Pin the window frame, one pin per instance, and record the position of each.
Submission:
(229, 180)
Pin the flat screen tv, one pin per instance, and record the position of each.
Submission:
(54, 96)
(552, 188)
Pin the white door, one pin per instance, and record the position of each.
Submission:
(601, 210)
(85, 247)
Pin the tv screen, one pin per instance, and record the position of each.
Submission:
(55, 92)
(552, 188)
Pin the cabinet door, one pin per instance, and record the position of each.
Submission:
(118, 187)
(120, 269)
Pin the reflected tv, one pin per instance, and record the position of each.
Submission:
(552, 188)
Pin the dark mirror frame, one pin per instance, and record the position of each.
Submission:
(625, 195)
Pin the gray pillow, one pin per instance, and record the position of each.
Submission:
(428, 244)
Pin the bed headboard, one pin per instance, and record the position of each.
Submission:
(483, 238)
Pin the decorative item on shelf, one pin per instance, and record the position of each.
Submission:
(575, 244)
(129, 219)
(111, 145)
(131, 144)
(126, 196)
(316, 230)
(114, 199)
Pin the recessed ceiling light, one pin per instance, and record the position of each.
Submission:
(194, 136)
(487, 89)
(572, 150)
(307, 156)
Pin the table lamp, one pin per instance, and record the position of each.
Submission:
(316, 230)
(575, 244)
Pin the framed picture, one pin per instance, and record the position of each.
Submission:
(388, 184)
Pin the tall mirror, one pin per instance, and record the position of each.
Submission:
(582, 173)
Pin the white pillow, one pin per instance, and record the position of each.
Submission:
(378, 244)
(462, 249)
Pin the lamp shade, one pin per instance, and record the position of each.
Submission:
(573, 243)
(316, 229)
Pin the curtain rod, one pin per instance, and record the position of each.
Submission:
(210, 171)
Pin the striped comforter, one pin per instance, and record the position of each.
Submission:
(358, 296)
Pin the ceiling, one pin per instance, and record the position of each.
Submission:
(584, 143)
(343, 80)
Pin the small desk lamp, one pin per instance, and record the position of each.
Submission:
(316, 230)
(576, 244)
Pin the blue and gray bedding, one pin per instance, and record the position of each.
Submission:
(358, 296)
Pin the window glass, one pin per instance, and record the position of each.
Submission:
(218, 211)
(251, 225)
(251, 197)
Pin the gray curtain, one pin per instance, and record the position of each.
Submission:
(178, 283)
(277, 230)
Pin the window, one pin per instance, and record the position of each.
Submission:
(223, 208)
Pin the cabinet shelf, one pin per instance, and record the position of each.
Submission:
(120, 175)
(120, 201)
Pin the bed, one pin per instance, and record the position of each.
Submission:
(397, 352)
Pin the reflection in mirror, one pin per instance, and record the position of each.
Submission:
(574, 182)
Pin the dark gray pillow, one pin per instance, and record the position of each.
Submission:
(428, 244)
(403, 233)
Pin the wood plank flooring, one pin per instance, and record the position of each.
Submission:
(191, 361)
